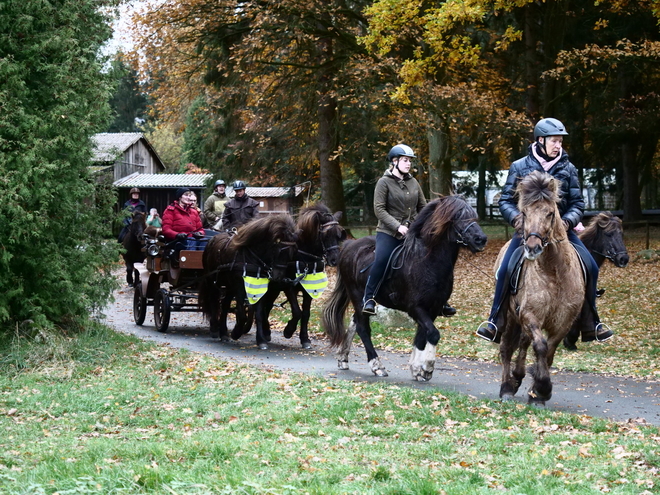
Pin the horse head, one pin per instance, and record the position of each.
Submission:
(449, 217)
(319, 233)
(604, 237)
(539, 223)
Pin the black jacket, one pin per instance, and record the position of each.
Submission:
(571, 206)
(239, 211)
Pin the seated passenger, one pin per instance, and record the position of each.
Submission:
(181, 220)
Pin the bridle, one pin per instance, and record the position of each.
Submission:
(461, 234)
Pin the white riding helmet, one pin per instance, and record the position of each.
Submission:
(400, 150)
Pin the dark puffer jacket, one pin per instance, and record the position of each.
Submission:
(239, 211)
(571, 206)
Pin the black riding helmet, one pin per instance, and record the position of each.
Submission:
(546, 128)
(398, 151)
(238, 184)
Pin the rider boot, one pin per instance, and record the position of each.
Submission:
(448, 311)
(369, 301)
(593, 328)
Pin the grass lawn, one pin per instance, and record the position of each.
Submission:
(107, 414)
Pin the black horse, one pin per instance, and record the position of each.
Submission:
(133, 243)
(603, 237)
(319, 238)
(420, 283)
(261, 249)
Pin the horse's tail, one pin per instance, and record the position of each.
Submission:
(334, 310)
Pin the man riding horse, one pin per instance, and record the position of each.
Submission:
(545, 155)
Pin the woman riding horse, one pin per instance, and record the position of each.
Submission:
(545, 155)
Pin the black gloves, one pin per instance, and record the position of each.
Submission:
(181, 237)
(198, 235)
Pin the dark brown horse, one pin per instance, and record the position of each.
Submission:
(550, 292)
(603, 238)
(133, 243)
(420, 283)
(261, 249)
(319, 238)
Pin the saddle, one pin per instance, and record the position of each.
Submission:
(517, 260)
(393, 263)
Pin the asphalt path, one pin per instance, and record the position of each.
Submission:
(616, 398)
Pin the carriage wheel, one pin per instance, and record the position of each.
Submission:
(139, 304)
(162, 306)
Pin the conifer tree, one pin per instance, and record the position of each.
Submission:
(53, 217)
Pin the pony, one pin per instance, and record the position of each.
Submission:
(261, 248)
(133, 243)
(319, 238)
(603, 238)
(420, 282)
(550, 294)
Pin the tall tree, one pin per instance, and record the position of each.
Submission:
(128, 102)
(53, 97)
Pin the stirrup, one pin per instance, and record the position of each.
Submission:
(605, 330)
(369, 309)
(485, 331)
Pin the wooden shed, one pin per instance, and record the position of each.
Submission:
(122, 154)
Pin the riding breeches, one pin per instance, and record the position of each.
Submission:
(385, 244)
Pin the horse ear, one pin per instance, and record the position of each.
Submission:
(337, 216)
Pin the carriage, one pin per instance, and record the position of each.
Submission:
(165, 283)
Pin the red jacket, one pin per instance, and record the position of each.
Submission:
(177, 220)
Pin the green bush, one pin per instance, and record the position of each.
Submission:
(53, 215)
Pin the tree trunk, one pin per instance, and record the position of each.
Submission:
(439, 162)
(332, 189)
(531, 63)
(632, 209)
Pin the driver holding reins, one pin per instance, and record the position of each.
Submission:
(545, 155)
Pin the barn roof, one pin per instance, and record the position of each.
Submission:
(200, 181)
(110, 144)
(163, 180)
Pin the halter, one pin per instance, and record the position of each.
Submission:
(322, 230)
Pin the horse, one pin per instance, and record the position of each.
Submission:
(550, 292)
(261, 248)
(133, 243)
(603, 238)
(319, 238)
(420, 283)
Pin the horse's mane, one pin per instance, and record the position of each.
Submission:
(603, 221)
(537, 187)
(272, 228)
(434, 219)
(310, 220)
(541, 187)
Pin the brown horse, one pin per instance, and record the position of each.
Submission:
(319, 237)
(262, 249)
(420, 284)
(133, 243)
(550, 292)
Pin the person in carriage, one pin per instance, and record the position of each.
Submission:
(181, 221)
(240, 209)
(545, 154)
(214, 206)
(134, 203)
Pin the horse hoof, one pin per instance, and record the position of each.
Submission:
(342, 365)
(537, 404)
(263, 346)
(507, 398)
(225, 338)
(380, 372)
(288, 333)
(306, 345)
(214, 335)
